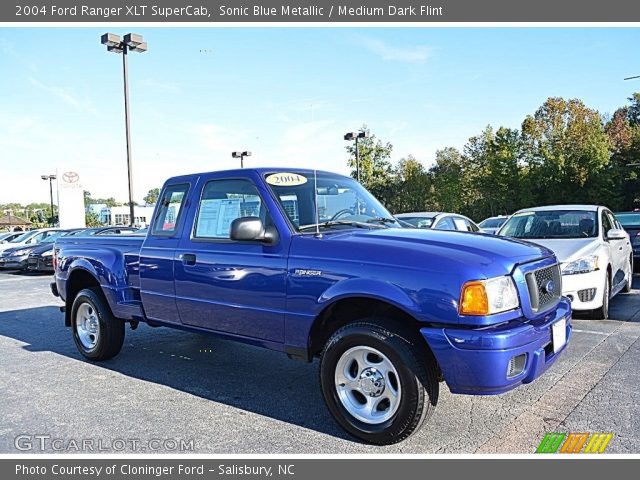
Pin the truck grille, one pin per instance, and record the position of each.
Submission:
(545, 287)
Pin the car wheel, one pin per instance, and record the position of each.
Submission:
(602, 313)
(378, 384)
(98, 335)
(629, 283)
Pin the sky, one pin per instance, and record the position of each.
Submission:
(286, 94)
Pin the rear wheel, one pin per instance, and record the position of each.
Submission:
(98, 335)
(378, 384)
(602, 313)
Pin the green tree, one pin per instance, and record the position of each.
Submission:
(413, 191)
(447, 175)
(152, 196)
(565, 146)
(91, 219)
(376, 170)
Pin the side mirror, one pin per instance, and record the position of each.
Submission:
(248, 229)
(616, 234)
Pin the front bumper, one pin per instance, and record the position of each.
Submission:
(14, 262)
(40, 263)
(476, 361)
(584, 289)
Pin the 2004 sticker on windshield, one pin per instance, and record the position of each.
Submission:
(286, 179)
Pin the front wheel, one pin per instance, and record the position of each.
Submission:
(602, 313)
(628, 284)
(378, 384)
(98, 335)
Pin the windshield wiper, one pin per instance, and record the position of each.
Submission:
(382, 220)
(333, 223)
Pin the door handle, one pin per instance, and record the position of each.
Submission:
(188, 258)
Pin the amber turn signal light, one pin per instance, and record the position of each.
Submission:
(474, 300)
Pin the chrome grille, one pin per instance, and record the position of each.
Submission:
(539, 283)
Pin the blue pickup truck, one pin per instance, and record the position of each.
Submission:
(310, 264)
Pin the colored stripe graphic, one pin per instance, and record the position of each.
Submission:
(574, 443)
(598, 442)
(551, 442)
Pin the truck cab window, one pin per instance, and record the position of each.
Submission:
(222, 202)
(169, 209)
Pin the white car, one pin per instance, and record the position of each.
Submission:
(492, 224)
(439, 221)
(595, 253)
(31, 237)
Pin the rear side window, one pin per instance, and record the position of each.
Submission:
(445, 224)
(169, 209)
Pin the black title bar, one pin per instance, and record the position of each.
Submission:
(426, 11)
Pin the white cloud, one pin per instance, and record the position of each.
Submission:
(407, 54)
(83, 104)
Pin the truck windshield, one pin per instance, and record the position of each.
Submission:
(551, 224)
(341, 201)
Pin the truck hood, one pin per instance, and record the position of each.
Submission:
(569, 249)
(484, 254)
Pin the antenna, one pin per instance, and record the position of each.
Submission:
(632, 78)
(315, 201)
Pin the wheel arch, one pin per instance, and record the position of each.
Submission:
(352, 308)
(79, 279)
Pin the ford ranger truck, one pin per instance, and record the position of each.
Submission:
(310, 264)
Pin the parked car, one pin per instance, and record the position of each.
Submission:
(439, 221)
(630, 221)
(40, 258)
(594, 251)
(17, 258)
(109, 230)
(493, 224)
(389, 311)
(29, 238)
(6, 237)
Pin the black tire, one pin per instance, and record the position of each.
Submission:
(110, 330)
(602, 313)
(416, 368)
(629, 283)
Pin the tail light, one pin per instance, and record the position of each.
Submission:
(55, 259)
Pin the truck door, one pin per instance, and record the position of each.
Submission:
(157, 255)
(225, 285)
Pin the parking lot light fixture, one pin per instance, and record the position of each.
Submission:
(134, 43)
(51, 178)
(350, 136)
(241, 156)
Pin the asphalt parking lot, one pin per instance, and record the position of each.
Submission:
(169, 388)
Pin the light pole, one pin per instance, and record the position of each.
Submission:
(51, 178)
(241, 156)
(130, 43)
(355, 136)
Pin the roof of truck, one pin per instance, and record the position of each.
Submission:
(260, 171)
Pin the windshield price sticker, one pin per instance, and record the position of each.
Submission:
(286, 179)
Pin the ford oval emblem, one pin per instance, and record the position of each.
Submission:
(549, 287)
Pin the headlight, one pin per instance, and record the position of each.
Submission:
(582, 265)
(48, 253)
(486, 297)
(20, 252)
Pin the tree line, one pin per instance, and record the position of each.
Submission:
(564, 153)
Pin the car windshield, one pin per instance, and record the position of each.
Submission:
(551, 224)
(23, 238)
(52, 237)
(341, 201)
(419, 222)
(492, 223)
(629, 219)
